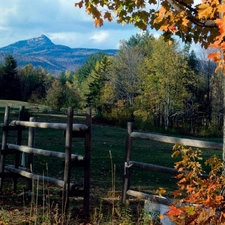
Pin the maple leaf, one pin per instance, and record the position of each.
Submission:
(214, 55)
(180, 169)
(204, 10)
(79, 4)
(204, 215)
(108, 16)
(222, 46)
(177, 193)
(161, 191)
(185, 22)
(218, 199)
(183, 180)
(164, 27)
(161, 15)
(98, 22)
(174, 211)
(190, 210)
(190, 189)
(221, 25)
(221, 8)
(172, 29)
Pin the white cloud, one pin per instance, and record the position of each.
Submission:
(100, 37)
(61, 21)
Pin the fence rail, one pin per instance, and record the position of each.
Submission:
(60, 126)
(44, 152)
(175, 140)
(71, 130)
(129, 163)
(31, 175)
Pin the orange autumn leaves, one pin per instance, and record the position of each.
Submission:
(216, 9)
(199, 23)
(219, 43)
(200, 198)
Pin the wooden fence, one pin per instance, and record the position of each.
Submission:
(70, 130)
(129, 163)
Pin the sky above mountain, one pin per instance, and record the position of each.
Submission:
(61, 21)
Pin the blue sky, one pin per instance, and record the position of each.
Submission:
(61, 21)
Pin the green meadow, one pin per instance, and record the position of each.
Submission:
(107, 158)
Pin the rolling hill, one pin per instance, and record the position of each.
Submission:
(41, 51)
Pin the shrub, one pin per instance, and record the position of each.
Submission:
(201, 198)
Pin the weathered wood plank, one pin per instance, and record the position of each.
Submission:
(60, 126)
(175, 140)
(152, 167)
(155, 198)
(33, 176)
(38, 151)
(4, 143)
(157, 168)
(126, 175)
(67, 167)
(30, 158)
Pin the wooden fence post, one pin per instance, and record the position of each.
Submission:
(18, 142)
(4, 143)
(87, 158)
(126, 175)
(30, 160)
(67, 168)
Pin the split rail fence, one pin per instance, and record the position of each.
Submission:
(71, 130)
(130, 164)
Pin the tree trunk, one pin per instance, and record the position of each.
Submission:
(166, 112)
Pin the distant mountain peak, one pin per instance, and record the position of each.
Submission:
(42, 52)
(39, 41)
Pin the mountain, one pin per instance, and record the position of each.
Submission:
(41, 51)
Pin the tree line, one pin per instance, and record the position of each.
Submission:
(36, 85)
(154, 83)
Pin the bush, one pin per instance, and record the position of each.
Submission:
(201, 198)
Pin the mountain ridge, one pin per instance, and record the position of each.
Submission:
(41, 51)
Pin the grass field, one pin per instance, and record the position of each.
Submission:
(105, 140)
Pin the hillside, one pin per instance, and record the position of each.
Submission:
(41, 51)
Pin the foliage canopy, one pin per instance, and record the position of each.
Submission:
(200, 23)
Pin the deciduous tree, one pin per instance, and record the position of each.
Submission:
(56, 96)
(34, 82)
(125, 74)
(202, 23)
(166, 80)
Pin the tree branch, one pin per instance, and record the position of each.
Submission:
(198, 22)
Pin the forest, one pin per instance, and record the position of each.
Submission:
(158, 85)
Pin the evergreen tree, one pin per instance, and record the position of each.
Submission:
(99, 76)
(10, 67)
(11, 84)
(85, 70)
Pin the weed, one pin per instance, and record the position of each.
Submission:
(4, 217)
